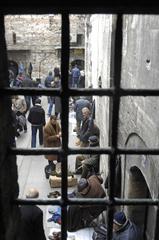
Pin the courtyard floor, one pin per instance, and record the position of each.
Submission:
(31, 174)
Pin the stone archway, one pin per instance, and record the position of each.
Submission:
(136, 186)
(79, 62)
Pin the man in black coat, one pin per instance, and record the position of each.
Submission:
(86, 129)
(37, 119)
(31, 225)
(31, 219)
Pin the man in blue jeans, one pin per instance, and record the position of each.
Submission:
(37, 119)
(75, 76)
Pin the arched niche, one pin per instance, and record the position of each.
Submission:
(136, 186)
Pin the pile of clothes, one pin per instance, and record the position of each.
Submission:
(56, 215)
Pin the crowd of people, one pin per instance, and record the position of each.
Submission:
(90, 184)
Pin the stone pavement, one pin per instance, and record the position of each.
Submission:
(31, 174)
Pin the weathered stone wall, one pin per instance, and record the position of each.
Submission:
(98, 48)
(38, 40)
(138, 119)
(139, 114)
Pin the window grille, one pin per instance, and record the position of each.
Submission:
(115, 92)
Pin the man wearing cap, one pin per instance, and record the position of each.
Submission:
(81, 216)
(124, 229)
(89, 164)
(37, 119)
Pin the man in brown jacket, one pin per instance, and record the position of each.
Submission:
(52, 134)
(82, 215)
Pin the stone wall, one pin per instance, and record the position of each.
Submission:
(37, 39)
(98, 48)
(138, 119)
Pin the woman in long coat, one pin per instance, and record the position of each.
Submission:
(52, 134)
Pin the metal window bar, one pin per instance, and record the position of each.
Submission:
(115, 92)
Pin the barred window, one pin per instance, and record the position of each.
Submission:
(115, 95)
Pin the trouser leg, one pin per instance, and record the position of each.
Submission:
(41, 135)
(79, 159)
(85, 171)
(33, 139)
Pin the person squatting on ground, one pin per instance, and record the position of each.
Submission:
(124, 229)
(88, 164)
(37, 119)
(81, 216)
(31, 220)
(52, 135)
(78, 106)
(19, 106)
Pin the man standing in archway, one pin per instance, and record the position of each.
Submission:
(75, 76)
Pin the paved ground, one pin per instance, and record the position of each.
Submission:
(31, 174)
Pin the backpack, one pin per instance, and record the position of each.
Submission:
(100, 232)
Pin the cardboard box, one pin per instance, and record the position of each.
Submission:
(55, 182)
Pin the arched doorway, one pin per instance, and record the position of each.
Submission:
(79, 62)
(141, 215)
(137, 171)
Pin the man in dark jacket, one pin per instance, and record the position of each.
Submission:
(37, 119)
(86, 129)
(48, 80)
(124, 229)
(78, 106)
(31, 221)
(27, 83)
(31, 227)
(88, 164)
(81, 216)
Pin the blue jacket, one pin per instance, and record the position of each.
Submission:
(75, 72)
(129, 232)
